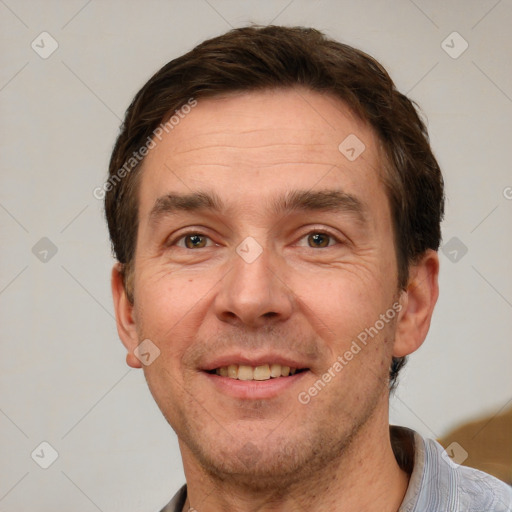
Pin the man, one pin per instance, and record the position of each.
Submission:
(275, 207)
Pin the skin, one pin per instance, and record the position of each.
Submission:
(305, 297)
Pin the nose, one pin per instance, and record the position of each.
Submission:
(254, 292)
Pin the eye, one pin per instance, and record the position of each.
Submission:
(320, 239)
(192, 241)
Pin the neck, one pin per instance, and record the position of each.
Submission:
(364, 476)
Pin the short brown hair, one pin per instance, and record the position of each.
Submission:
(255, 58)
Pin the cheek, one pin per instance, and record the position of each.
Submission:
(168, 299)
(344, 301)
(169, 311)
(345, 312)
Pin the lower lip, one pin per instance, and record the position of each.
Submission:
(254, 389)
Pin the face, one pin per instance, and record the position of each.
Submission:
(263, 246)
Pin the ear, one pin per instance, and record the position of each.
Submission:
(417, 301)
(124, 316)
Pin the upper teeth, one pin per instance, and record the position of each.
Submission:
(263, 372)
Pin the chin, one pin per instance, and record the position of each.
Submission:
(256, 465)
(260, 463)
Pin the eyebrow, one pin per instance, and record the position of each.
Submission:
(175, 203)
(328, 200)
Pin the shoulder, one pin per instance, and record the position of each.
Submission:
(467, 489)
(479, 491)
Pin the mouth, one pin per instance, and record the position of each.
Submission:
(262, 376)
(261, 372)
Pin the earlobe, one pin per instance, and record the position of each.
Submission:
(124, 316)
(418, 302)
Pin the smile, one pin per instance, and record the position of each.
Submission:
(260, 372)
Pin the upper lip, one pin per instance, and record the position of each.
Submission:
(253, 360)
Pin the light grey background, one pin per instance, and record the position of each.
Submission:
(63, 377)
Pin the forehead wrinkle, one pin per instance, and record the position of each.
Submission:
(246, 148)
(237, 165)
(256, 156)
(308, 148)
(240, 138)
(221, 132)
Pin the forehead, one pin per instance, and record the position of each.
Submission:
(247, 145)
